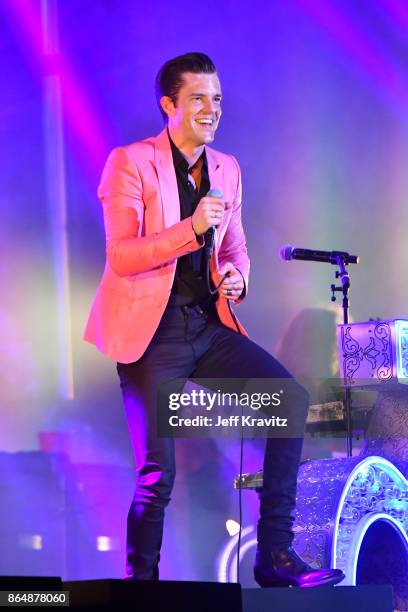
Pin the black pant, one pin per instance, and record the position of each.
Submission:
(191, 344)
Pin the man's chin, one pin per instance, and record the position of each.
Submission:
(202, 139)
(207, 138)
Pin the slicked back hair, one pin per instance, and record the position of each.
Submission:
(169, 79)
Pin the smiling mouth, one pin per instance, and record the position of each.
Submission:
(205, 122)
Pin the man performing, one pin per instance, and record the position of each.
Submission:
(155, 315)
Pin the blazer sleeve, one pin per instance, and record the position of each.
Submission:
(233, 248)
(127, 251)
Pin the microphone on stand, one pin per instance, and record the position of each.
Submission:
(209, 235)
(288, 252)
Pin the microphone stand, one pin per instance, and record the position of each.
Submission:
(345, 286)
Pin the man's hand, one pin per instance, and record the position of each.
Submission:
(209, 211)
(234, 284)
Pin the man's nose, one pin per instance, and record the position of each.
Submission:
(210, 106)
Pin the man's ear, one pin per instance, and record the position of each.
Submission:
(167, 105)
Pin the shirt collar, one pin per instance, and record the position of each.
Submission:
(180, 161)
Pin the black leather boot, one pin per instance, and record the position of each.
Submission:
(282, 566)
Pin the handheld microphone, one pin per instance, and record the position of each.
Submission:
(288, 252)
(210, 233)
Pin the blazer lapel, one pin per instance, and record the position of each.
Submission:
(214, 169)
(215, 175)
(163, 161)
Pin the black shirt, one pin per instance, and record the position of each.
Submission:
(190, 285)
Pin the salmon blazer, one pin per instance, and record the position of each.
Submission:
(144, 238)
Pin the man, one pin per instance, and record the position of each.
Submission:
(159, 318)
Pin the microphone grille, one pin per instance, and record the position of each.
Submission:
(285, 252)
(215, 193)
